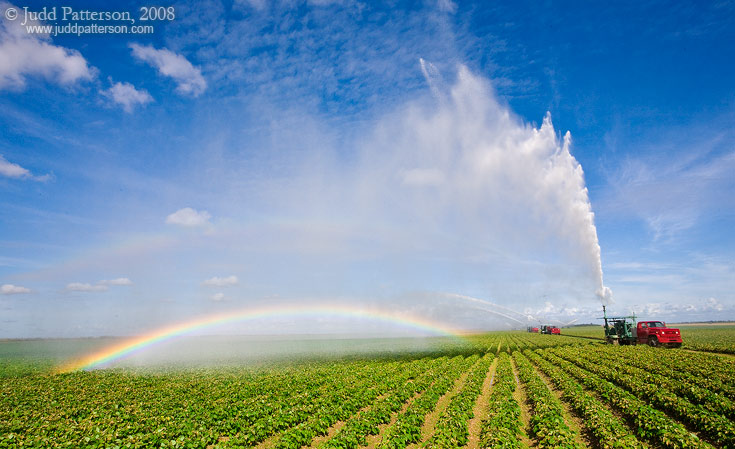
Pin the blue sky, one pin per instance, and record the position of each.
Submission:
(256, 152)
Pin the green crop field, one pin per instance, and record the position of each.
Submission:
(504, 390)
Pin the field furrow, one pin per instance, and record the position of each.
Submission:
(502, 425)
(609, 431)
(407, 429)
(650, 424)
(451, 428)
(714, 426)
(547, 420)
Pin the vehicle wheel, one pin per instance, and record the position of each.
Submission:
(653, 342)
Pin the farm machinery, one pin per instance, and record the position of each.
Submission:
(623, 330)
(547, 329)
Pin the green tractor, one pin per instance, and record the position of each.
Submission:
(619, 330)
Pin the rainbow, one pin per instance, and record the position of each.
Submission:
(140, 343)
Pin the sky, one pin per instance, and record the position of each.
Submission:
(407, 156)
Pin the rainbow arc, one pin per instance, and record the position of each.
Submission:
(140, 343)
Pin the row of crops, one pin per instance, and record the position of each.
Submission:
(509, 390)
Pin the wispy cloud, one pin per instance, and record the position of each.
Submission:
(100, 286)
(217, 297)
(673, 192)
(127, 96)
(257, 4)
(12, 170)
(221, 281)
(118, 281)
(352, 64)
(188, 78)
(10, 289)
(189, 217)
(85, 287)
(24, 54)
(447, 6)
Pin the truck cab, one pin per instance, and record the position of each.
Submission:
(655, 333)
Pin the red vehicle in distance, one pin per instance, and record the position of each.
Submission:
(550, 330)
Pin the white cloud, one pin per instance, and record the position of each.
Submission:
(217, 297)
(23, 54)
(84, 287)
(118, 281)
(221, 281)
(100, 286)
(127, 96)
(680, 310)
(12, 170)
(189, 217)
(674, 192)
(713, 304)
(188, 78)
(10, 289)
(447, 6)
(256, 4)
(324, 2)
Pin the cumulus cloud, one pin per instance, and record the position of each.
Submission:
(85, 287)
(127, 96)
(118, 281)
(713, 304)
(188, 78)
(189, 217)
(217, 297)
(10, 289)
(24, 54)
(12, 170)
(221, 281)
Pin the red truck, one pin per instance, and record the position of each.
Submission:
(550, 330)
(655, 333)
